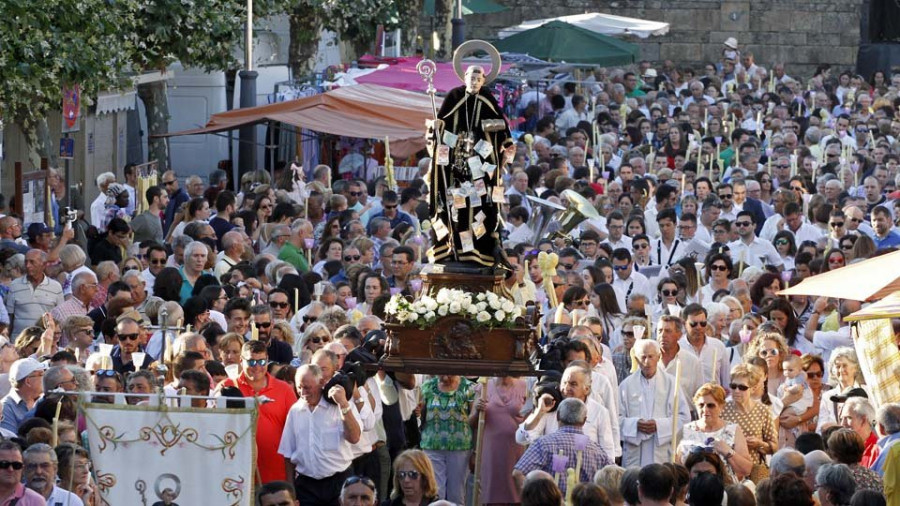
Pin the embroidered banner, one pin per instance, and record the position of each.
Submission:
(876, 348)
(151, 456)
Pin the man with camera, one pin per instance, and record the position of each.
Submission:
(318, 438)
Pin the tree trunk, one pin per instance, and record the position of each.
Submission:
(45, 146)
(443, 12)
(304, 43)
(409, 15)
(156, 103)
(33, 141)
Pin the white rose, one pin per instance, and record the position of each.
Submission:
(431, 304)
(464, 304)
(482, 306)
(480, 297)
(473, 309)
(455, 307)
(421, 309)
(442, 310)
(495, 303)
(402, 316)
(509, 306)
(430, 315)
(483, 316)
(500, 316)
(443, 297)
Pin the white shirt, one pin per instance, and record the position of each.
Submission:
(751, 254)
(806, 232)
(62, 497)
(370, 415)
(636, 283)
(664, 255)
(597, 428)
(98, 210)
(519, 234)
(623, 242)
(132, 199)
(314, 440)
(149, 280)
(691, 372)
(714, 359)
(649, 399)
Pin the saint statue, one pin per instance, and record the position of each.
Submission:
(471, 144)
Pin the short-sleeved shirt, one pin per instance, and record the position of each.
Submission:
(25, 497)
(759, 422)
(447, 416)
(292, 255)
(27, 303)
(270, 423)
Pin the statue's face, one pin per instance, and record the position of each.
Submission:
(474, 79)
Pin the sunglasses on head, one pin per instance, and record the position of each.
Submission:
(694, 324)
(6, 464)
(106, 373)
(257, 362)
(738, 386)
(353, 480)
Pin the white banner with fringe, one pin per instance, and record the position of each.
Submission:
(153, 455)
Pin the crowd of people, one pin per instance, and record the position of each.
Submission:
(672, 372)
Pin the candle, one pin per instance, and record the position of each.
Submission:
(570, 484)
(188, 328)
(55, 436)
(715, 370)
(675, 408)
(741, 262)
(296, 300)
(559, 312)
(254, 332)
(682, 184)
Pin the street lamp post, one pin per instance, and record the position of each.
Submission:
(247, 134)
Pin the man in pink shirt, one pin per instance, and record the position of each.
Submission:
(12, 491)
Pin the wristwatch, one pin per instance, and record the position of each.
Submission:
(729, 455)
(346, 410)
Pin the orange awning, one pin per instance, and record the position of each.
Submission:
(869, 280)
(363, 111)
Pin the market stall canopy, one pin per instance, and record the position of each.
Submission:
(365, 111)
(558, 41)
(470, 7)
(605, 24)
(403, 75)
(869, 280)
(888, 307)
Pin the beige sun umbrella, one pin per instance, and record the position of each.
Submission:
(869, 280)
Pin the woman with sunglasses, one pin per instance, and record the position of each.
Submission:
(315, 337)
(414, 483)
(770, 346)
(786, 247)
(765, 186)
(622, 358)
(575, 297)
(666, 301)
(712, 433)
(129, 264)
(834, 259)
(755, 419)
(718, 271)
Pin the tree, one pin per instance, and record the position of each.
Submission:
(197, 33)
(45, 44)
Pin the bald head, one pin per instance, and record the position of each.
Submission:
(787, 460)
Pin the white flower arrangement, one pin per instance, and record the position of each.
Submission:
(487, 308)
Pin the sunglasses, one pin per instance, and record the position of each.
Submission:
(356, 194)
(167, 183)
(318, 339)
(158, 262)
(768, 353)
(726, 196)
(708, 405)
(837, 224)
(307, 319)
(352, 258)
(743, 223)
(412, 475)
(106, 373)
(628, 333)
(278, 305)
(263, 325)
(815, 374)
(694, 324)
(620, 267)
(581, 303)
(641, 246)
(738, 386)
(257, 362)
(669, 293)
(567, 267)
(718, 267)
(353, 480)
(390, 207)
(6, 464)
(782, 242)
(128, 337)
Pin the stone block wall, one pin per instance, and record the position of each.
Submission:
(800, 33)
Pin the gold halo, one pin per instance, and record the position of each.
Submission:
(469, 47)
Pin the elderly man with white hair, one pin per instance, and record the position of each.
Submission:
(646, 405)
(84, 287)
(858, 414)
(787, 460)
(812, 462)
(195, 255)
(98, 206)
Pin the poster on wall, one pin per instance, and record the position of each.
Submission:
(71, 108)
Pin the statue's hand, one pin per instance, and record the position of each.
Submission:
(435, 124)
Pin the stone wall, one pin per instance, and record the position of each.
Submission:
(800, 33)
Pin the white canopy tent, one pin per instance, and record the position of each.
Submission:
(605, 24)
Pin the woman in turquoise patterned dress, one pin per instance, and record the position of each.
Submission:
(446, 435)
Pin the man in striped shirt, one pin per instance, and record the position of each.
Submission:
(33, 294)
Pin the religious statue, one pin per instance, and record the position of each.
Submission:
(470, 144)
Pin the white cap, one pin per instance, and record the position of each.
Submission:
(651, 73)
(23, 367)
(731, 42)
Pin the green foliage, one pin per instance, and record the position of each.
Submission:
(47, 43)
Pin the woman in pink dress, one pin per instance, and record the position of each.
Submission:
(505, 398)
